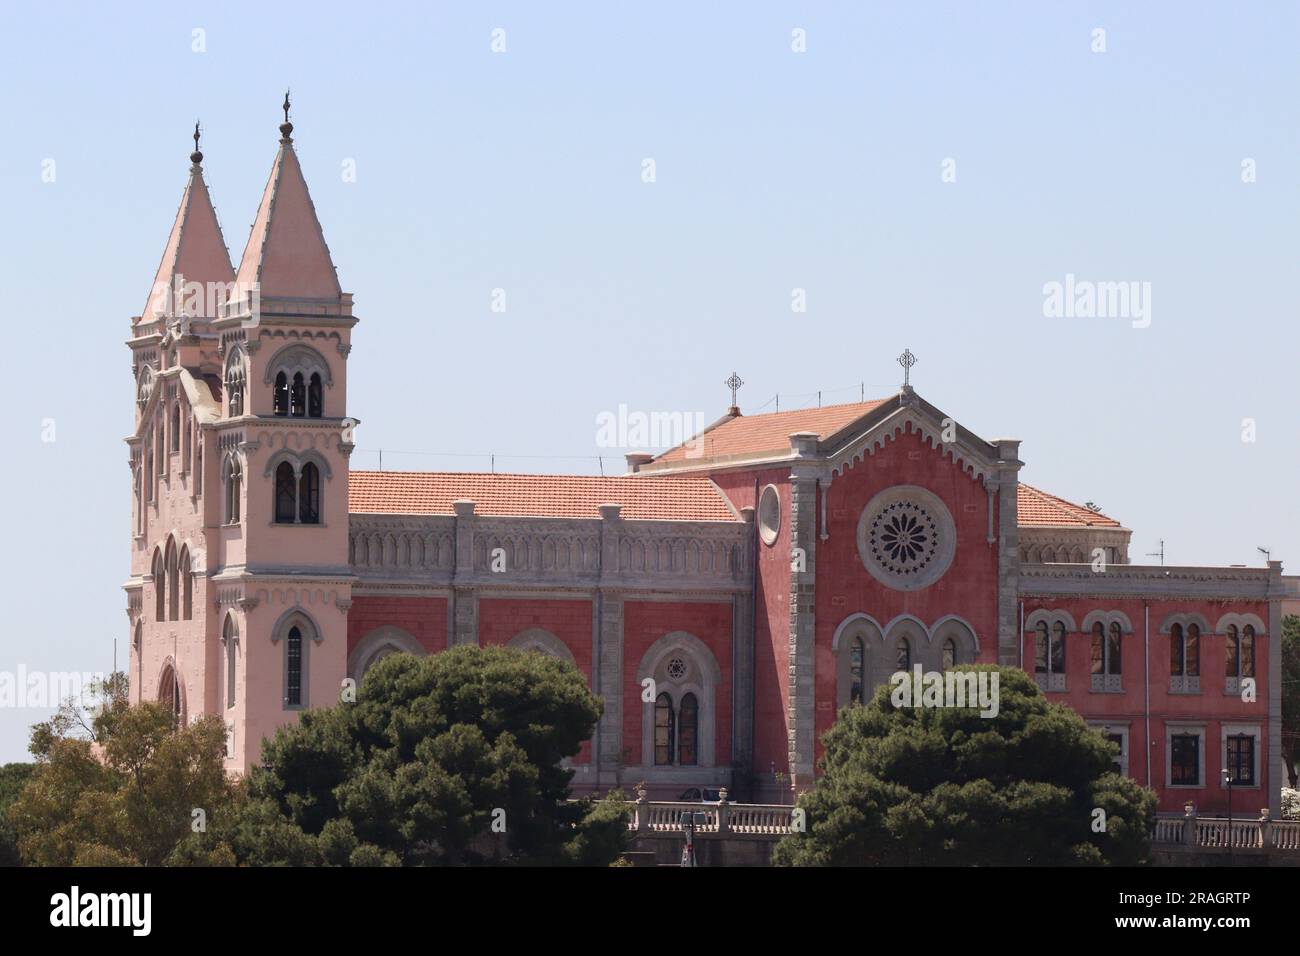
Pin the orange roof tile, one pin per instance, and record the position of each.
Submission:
(541, 496)
(754, 434)
(1039, 508)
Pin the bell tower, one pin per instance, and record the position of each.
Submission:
(283, 585)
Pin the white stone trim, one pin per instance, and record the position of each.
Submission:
(386, 637)
(1254, 730)
(1178, 728)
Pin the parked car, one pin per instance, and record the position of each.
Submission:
(701, 795)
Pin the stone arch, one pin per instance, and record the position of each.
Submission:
(1241, 622)
(1105, 619)
(378, 644)
(702, 677)
(1051, 616)
(859, 626)
(909, 628)
(543, 641)
(309, 635)
(957, 629)
(298, 358)
(171, 689)
(1185, 619)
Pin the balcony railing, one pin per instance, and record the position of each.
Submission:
(720, 818)
(1263, 833)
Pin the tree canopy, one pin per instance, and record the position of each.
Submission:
(1031, 785)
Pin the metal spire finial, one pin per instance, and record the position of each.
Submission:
(196, 157)
(286, 127)
(907, 360)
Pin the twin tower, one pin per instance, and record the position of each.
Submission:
(240, 582)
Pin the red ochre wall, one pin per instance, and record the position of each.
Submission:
(1210, 706)
(425, 619)
(501, 619)
(645, 622)
(968, 589)
(771, 620)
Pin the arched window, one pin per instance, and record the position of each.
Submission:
(949, 660)
(688, 724)
(1232, 652)
(198, 463)
(235, 385)
(298, 396)
(187, 585)
(309, 495)
(169, 693)
(1114, 650)
(1049, 656)
(293, 667)
(230, 637)
(173, 584)
(315, 397)
(665, 730)
(176, 426)
(159, 587)
(903, 655)
(148, 481)
(286, 495)
(857, 655)
(234, 488)
(280, 399)
(1248, 651)
(1184, 651)
(160, 456)
(185, 451)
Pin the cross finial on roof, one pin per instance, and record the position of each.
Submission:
(286, 127)
(907, 360)
(733, 383)
(196, 157)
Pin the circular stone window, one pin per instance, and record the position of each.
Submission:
(676, 668)
(906, 537)
(769, 515)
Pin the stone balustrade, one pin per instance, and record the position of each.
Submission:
(1262, 833)
(720, 818)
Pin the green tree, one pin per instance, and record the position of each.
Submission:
(117, 785)
(435, 756)
(12, 778)
(1291, 696)
(933, 786)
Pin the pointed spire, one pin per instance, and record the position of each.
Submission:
(195, 251)
(286, 252)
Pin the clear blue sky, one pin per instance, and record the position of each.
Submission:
(775, 171)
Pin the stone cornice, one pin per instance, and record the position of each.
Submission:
(1158, 583)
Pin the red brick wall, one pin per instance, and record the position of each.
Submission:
(771, 620)
(501, 619)
(425, 619)
(645, 622)
(1211, 705)
(969, 587)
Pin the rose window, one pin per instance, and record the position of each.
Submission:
(906, 537)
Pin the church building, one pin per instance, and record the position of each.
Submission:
(725, 598)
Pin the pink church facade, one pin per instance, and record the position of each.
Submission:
(724, 599)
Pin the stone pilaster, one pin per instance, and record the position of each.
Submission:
(464, 629)
(1277, 764)
(800, 702)
(742, 658)
(1008, 545)
(608, 677)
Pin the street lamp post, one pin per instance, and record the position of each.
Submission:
(689, 821)
(1227, 783)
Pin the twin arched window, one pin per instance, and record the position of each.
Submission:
(1049, 655)
(677, 731)
(1185, 651)
(298, 395)
(1239, 652)
(1107, 659)
(235, 385)
(297, 494)
(234, 481)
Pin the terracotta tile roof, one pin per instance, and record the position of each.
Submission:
(541, 496)
(754, 434)
(1039, 508)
